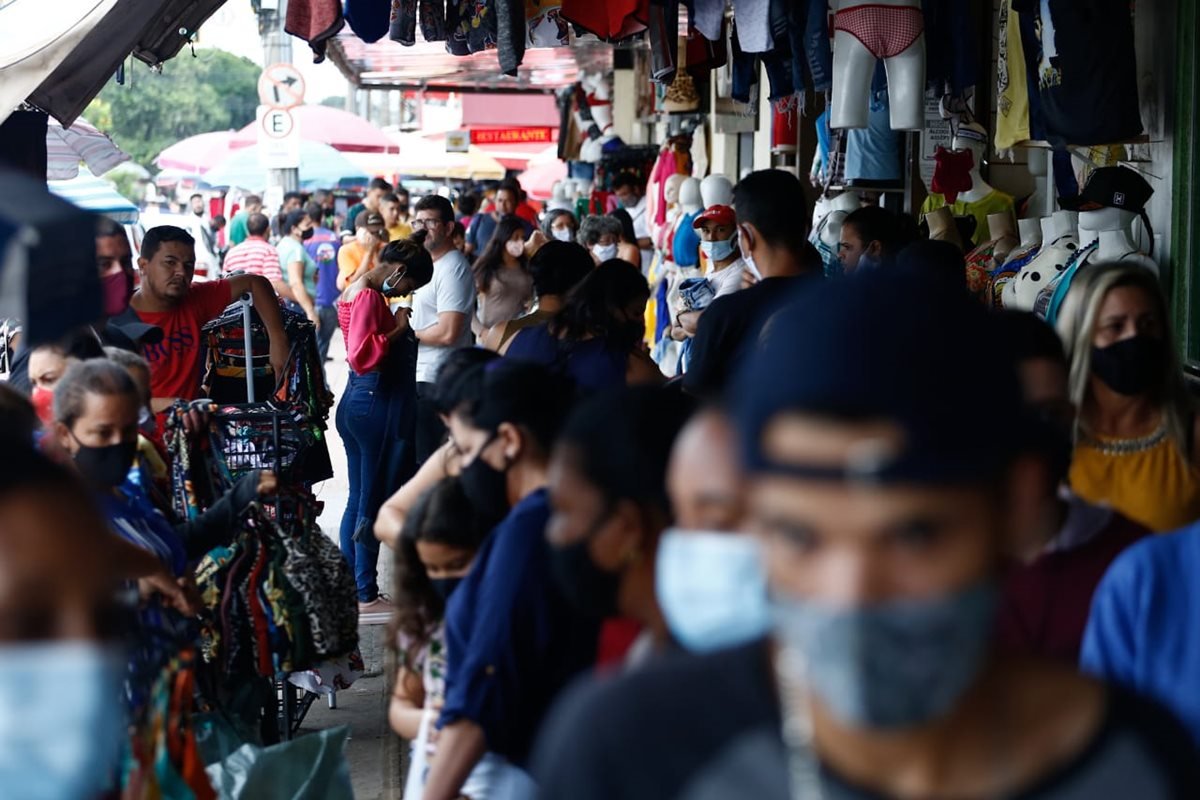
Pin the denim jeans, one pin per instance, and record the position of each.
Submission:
(329, 324)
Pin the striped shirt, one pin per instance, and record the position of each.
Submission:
(254, 257)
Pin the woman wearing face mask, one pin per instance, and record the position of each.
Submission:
(299, 268)
(439, 541)
(560, 225)
(601, 235)
(597, 337)
(555, 269)
(513, 638)
(608, 490)
(502, 276)
(627, 249)
(377, 413)
(1136, 429)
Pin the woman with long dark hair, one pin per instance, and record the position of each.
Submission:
(597, 338)
(502, 275)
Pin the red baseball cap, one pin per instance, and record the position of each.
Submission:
(722, 215)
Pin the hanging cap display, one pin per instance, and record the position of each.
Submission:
(722, 215)
(1111, 187)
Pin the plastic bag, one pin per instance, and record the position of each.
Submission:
(312, 766)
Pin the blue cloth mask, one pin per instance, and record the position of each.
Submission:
(718, 250)
(890, 665)
(61, 719)
(712, 588)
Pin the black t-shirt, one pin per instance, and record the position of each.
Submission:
(708, 728)
(728, 326)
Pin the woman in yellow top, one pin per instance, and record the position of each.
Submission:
(1136, 433)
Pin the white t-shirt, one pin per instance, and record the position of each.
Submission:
(728, 279)
(452, 289)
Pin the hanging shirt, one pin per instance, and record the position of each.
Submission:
(1012, 88)
(175, 361)
(994, 202)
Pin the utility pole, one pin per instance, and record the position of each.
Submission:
(277, 49)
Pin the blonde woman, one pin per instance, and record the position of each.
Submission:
(1136, 431)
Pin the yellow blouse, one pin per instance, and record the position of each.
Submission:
(1146, 479)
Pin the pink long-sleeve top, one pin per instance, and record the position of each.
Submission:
(366, 321)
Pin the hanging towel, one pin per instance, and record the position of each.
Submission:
(316, 22)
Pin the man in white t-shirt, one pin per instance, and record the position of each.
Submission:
(631, 194)
(442, 310)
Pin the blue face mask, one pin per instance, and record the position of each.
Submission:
(61, 719)
(392, 281)
(890, 665)
(718, 250)
(712, 588)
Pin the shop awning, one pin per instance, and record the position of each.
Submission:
(96, 195)
(59, 55)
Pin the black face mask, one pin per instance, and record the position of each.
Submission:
(1131, 366)
(591, 590)
(305, 235)
(486, 487)
(106, 467)
(445, 586)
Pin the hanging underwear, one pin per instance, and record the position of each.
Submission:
(885, 31)
(952, 174)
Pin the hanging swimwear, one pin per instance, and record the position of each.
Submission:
(886, 31)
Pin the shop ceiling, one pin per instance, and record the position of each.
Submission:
(427, 65)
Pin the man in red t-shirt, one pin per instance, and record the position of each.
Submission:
(168, 299)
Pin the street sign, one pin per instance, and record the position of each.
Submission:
(458, 141)
(278, 138)
(281, 86)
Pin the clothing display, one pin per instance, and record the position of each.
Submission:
(994, 202)
(874, 153)
(885, 31)
(1012, 86)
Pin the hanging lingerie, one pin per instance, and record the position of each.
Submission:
(885, 30)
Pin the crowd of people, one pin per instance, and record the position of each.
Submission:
(837, 553)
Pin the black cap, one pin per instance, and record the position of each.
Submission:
(1111, 187)
(899, 347)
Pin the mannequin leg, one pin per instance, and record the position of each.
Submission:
(853, 67)
(906, 87)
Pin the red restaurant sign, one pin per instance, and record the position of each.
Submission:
(511, 136)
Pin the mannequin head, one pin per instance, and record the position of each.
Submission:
(846, 201)
(716, 190)
(690, 199)
(1106, 219)
(671, 188)
(973, 137)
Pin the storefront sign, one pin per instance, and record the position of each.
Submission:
(937, 133)
(281, 86)
(458, 141)
(512, 136)
(278, 138)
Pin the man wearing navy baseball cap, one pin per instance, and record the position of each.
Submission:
(883, 508)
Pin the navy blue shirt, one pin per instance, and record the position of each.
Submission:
(483, 227)
(512, 640)
(591, 363)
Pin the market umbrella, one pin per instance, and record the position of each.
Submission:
(66, 147)
(339, 129)
(97, 195)
(321, 167)
(196, 154)
(538, 181)
(474, 164)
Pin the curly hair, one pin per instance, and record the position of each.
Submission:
(443, 515)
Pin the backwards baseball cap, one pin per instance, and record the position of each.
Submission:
(1111, 187)
(369, 219)
(896, 348)
(721, 215)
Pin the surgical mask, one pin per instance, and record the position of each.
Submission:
(106, 467)
(43, 403)
(307, 234)
(604, 251)
(712, 588)
(895, 664)
(1131, 366)
(718, 250)
(392, 281)
(61, 719)
(445, 586)
(514, 248)
(563, 234)
(591, 590)
(115, 291)
(486, 487)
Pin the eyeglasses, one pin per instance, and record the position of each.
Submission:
(419, 223)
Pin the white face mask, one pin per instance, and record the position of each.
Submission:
(718, 250)
(562, 234)
(62, 719)
(515, 249)
(605, 251)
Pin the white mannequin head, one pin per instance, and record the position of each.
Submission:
(846, 201)
(1106, 219)
(973, 137)
(689, 196)
(1039, 272)
(671, 188)
(716, 190)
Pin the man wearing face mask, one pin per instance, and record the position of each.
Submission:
(883, 522)
(709, 579)
(513, 639)
(770, 204)
(718, 242)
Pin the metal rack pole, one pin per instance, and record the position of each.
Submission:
(247, 300)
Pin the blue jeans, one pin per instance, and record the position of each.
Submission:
(375, 420)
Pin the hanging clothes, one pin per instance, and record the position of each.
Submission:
(511, 34)
(546, 24)
(994, 202)
(316, 22)
(951, 53)
(1012, 87)
(369, 19)
(874, 154)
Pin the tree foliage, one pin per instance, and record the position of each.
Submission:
(212, 91)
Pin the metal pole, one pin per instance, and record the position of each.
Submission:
(277, 49)
(247, 300)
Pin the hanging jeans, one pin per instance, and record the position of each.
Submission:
(376, 420)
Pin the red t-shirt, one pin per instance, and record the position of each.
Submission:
(175, 361)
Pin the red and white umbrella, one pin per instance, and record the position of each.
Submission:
(66, 147)
(197, 154)
(341, 130)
